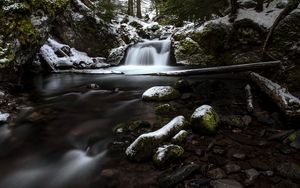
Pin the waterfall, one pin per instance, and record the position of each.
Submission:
(150, 52)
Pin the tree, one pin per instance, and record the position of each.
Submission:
(138, 9)
(130, 8)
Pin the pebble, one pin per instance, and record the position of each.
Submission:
(251, 174)
(240, 156)
(268, 173)
(218, 151)
(216, 173)
(93, 86)
(225, 183)
(232, 168)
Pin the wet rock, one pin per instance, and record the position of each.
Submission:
(131, 126)
(217, 173)
(200, 152)
(232, 168)
(286, 184)
(280, 135)
(165, 109)
(4, 117)
(142, 148)
(228, 183)
(240, 156)
(171, 179)
(289, 170)
(167, 154)
(180, 137)
(268, 173)
(182, 85)
(205, 120)
(295, 140)
(233, 120)
(161, 93)
(219, 151)
(2, 94)
(251, 175)
(258, 164)
(93, 86)
(197, 182)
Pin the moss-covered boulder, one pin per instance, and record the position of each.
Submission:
(143, 147)
(24, 27)
(205, 120)
(161, 93)
(180, 137)
(167, 154)
(165, 109)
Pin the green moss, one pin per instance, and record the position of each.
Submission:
(167, 155)
(208, 123)
(189, 47)
(165, 109)
(180, 138)
(293, 137)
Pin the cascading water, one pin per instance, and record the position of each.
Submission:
(150, 52)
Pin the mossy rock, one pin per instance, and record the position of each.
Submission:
(161, 93)
(167, 154)
(182, 85)
(233, 120)
(165, 109)
(131, 126)
(205, 120)
(180, 138)
(136, 24)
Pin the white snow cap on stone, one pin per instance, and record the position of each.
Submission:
(177, 121)
(4, 117)
(201, 111)
(161, 151)
(179, 134)
(158, 91)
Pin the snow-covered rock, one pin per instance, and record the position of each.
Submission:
(4, 117)
(161, 93)
(180, 137)
(205, 120)
(142, 148)
(166, 154)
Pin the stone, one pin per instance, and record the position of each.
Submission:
(225, 183)
(180, 137)
(4, 117)
(251, 174)
(197, 182)
(219, 151)
(258, 164)
(167, 154)
(165, 109)
(240, 156)
(142, 148)
(232, 168)
(161, 93)
(286, 184)
(289, 170)
(295, 140)
(216, 173)
(109, 172)
(268, 173)
(182, 85)
(170, 179)
(205, 120)
(233, 120)
(2, 94)
(93, 86)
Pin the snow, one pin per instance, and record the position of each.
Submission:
(161, 151)
(201, 111)
(4, 117)
(12, 7)
(158, 91)
(158, 134)
(179, 134)
(81, 5)
(74, 59)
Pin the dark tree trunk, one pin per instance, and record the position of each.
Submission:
(130, 8)
(260, 5)
(286, 11)
(138, 9)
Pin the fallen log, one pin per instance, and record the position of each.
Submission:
(288, 103)
(220, 69)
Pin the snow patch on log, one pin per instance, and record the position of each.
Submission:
(288, 103)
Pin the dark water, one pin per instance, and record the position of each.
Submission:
(66, 144)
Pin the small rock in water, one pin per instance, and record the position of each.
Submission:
(217, 173)
(165, 109)
(232, 168)
(169, 180)
(4, 117)
(180, 137)
(240, 156)
(161, 93)
(289, 170)
(2, 94)
(182, 85)
(93, 86)
(251, 174)
(225, 183)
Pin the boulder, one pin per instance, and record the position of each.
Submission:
(182, 85)
(161, 93)
(167, 154)
(142, 148)
(205, 120)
